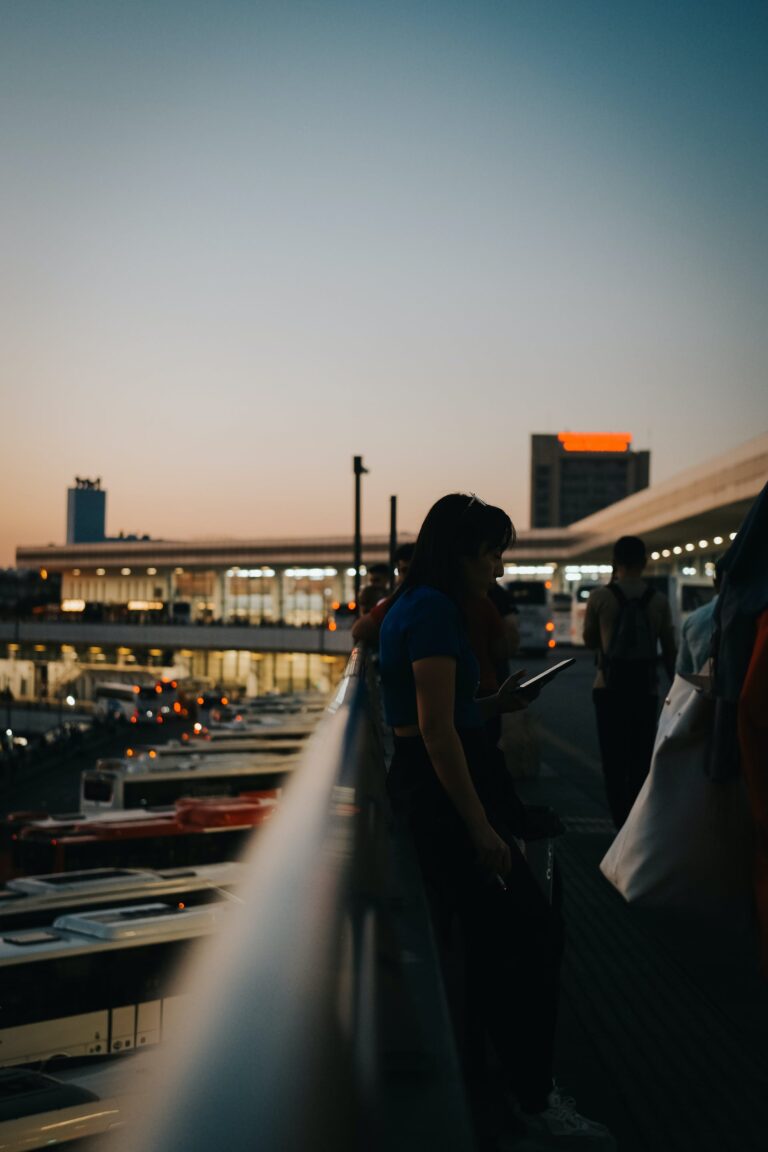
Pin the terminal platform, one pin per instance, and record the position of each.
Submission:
(663, 1032)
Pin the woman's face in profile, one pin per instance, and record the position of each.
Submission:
(480, 571)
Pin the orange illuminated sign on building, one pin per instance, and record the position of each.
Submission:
(595, 441)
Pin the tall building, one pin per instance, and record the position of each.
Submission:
(574, 474)
(86, 512)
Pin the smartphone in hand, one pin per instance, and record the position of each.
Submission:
(533, 686)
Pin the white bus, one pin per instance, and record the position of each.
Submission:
(117, 701)
(157, 783)
(33, 901)
(228, 744)
(685, 595)
(581, 594)
(78, 1104)
(562, 603)
(533, 602)
(95, 983)
(138, 703)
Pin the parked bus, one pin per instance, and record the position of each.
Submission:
(156, 783)
(581, 594)
(278, 742)
(139, 703)
(533, 603)
(117, 701)
(192, 833)
(79, 1103)
(561, 614)
(12, 825)
(33, 901)
(685, 595)
(98, 982)
(341, 616)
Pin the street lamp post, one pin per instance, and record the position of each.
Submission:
(392, 538)
(359, 471)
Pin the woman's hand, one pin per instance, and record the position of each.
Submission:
(493, 856)
(509, 697)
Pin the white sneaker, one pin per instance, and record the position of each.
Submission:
(560, 1121)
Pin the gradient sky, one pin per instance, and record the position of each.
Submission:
(244, 241)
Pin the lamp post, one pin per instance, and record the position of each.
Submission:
(392, 538)
(359, 471)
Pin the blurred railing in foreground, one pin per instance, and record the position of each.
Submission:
(317, 1019)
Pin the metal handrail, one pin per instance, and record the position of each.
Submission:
(282, 1048)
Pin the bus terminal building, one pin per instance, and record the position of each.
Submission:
(151, 599)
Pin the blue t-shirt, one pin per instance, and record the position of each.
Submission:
(424, 622)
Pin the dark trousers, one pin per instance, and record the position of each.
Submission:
(512, 939)
(626, 729)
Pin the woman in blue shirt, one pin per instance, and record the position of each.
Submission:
(460, 802)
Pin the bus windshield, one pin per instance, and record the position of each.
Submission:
(127, 692)
(527, 591)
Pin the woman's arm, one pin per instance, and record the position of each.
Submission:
(365, 629)
(435, 681)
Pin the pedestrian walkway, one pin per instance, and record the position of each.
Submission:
(663, 1032)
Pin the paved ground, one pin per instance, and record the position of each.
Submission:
(664, 1023)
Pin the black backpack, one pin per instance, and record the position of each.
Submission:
(630, 660)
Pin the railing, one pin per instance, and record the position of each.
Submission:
(317, 1019)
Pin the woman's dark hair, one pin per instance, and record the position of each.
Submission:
(456, 527)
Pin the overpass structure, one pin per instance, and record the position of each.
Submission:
(698, 504)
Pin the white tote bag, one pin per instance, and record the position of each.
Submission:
(686, 844)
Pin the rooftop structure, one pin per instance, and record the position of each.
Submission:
(575, 474)
(86, 511)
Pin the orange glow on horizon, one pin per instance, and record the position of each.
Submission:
(595, 441)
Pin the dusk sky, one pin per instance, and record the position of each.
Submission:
(244, 241)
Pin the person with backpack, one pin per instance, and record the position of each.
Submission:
(625, 623)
